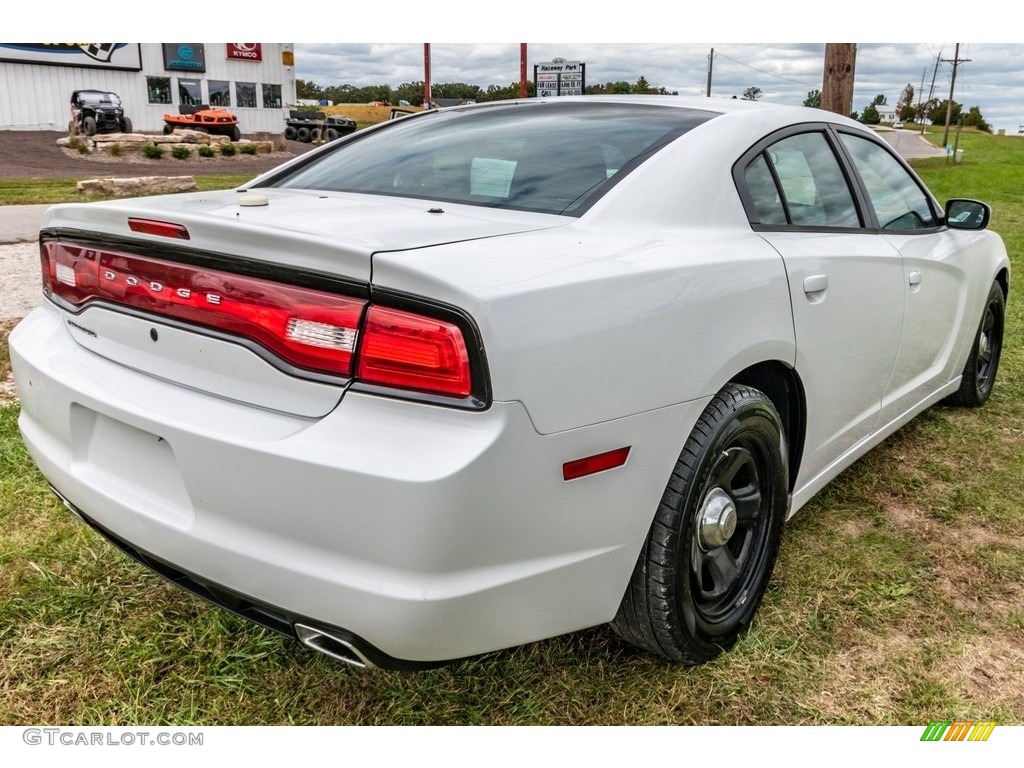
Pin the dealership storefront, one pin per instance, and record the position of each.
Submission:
(256, 81)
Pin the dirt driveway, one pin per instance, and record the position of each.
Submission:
(35, 155)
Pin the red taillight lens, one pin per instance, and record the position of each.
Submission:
(408, 351)
(309, 329)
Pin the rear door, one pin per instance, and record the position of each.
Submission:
(846, 286)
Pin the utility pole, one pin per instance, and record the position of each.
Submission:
(952, 83)
(711, 64)
(837, 81)
(522, 71)
(931, 91)
(427, 96)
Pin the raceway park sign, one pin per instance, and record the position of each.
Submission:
(127, 56)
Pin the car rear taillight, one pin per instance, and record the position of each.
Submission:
(310, 329)
(409, 351)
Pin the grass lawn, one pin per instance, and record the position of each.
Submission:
(897, 598)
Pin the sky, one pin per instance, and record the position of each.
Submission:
(989, 75)
(374, 43)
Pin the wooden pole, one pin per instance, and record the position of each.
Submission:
(837, 81)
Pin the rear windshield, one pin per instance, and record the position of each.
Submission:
(541, 156)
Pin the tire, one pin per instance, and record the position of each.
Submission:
(236, 134)
(289, 133)
(89, 126)
(314, 135)
(302, 134)
(979, 375)
(710, 551)
(168, 130)
(332, 134)
(126, 125)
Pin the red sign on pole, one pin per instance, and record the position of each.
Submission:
(246, 51)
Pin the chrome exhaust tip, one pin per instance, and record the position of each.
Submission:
(338, 648)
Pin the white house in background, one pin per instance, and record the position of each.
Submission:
(256, 81)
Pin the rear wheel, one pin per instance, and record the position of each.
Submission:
(332, 134)
(710, 551)
(979, 375)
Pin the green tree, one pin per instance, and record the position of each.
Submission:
(905, 106)
(870, 115)
(307, 89)
(937, 113)
(813, 99)
(975, 119)
(753, 93)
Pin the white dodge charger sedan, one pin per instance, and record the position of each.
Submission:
(485, 375)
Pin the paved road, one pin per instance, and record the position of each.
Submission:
(911, 145)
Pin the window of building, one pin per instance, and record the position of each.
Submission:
(159, 90)
(189, 93)
(271, 96)
(220, 93)
(245, 93)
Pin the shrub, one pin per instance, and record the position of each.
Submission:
(181, 152)
(115, 150)
(206, 151)
(247, 149)
(152, 151)
(227, 149)
(79, 144)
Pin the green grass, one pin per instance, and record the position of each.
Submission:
(897, 598)
(48, 191)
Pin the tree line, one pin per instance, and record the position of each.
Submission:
(413, 92)
(932, 111)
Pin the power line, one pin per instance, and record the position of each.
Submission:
(719, 53)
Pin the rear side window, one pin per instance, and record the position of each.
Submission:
(546, 157)
(798, 181)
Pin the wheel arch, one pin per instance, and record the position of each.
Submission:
(783, 387)
(1003, 278)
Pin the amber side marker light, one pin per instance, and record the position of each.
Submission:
(590, 465)
(158, 228)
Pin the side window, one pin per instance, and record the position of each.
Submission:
(899, 203)
(812, 190)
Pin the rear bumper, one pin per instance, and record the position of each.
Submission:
(427, 533)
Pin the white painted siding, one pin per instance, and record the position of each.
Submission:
(37, 96)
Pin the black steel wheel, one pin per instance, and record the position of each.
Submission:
(979, 375)
(706, 562)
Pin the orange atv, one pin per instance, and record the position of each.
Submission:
(201, 118)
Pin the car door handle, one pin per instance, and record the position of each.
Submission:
(815, 287)
(914, 278)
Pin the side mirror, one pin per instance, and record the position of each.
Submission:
(967, 214)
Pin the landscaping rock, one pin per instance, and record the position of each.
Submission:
(137, 187)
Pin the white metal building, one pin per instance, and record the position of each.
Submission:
(255, 81)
